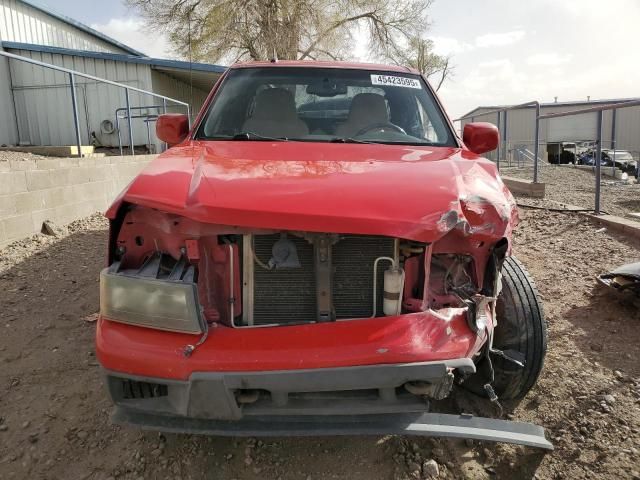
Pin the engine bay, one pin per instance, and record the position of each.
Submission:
(256, 277)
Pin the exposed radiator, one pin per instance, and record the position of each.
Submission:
(289, 295)
(353, 259)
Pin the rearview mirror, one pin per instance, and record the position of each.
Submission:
(327, 88)
(481, 137)
(172, 128)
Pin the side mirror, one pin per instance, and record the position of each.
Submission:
(481, 137)
(172, 128)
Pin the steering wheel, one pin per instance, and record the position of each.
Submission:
(380, 126)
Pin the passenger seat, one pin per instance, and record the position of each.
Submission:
(274, 115)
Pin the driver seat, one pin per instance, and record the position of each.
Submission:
(366, 109)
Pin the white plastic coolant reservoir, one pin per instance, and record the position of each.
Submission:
(393, 285)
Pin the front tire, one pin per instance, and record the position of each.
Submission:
(521, 330)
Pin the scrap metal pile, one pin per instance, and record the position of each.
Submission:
(625, 278)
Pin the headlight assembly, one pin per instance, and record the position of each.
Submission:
(150, 302)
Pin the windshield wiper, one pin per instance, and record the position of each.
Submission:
(381, 142)
(349, 140)
(255, 136)
(415, 144)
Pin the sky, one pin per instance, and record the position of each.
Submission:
(503, 51)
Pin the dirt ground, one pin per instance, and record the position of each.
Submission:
(577, 187)
(54, 412)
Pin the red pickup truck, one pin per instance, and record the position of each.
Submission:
(320, 253)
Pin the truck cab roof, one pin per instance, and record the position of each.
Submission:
(326, 64)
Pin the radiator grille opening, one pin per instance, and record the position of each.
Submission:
(288, 295)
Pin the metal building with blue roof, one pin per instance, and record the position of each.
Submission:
(35, 102)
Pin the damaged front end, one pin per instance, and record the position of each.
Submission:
(247, 277)
(228, 316)
(271, 329)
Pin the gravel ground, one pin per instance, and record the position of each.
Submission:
(54, 413)
(7, 155)
(577, 187)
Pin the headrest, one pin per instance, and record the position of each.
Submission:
(369, 106)
(274, 103)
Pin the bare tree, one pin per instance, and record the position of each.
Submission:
(419, 53)
(228, 30)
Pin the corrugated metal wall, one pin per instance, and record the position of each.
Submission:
(520, 124)
(169, 86)
(43, 99)
(627, 128)
(8, 133)
(21, 23)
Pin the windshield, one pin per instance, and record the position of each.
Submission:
(325, 105)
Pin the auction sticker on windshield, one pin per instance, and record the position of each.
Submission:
(393, 81)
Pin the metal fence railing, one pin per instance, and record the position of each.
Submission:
(503, 129)
(598, 111)
(74, 103)
(145, 115)
(525, 154)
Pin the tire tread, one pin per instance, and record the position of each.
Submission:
(530, 317)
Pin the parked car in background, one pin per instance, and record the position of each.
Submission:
(622, 159)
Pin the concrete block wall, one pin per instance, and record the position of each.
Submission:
(59, 189)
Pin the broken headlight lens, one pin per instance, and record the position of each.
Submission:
(148, 302)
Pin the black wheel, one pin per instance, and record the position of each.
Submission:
(521, 333)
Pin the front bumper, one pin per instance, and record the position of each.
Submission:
(410, 338)
(337, 401)
(425, 424)
(357, 390)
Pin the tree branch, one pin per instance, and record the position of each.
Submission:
(333, 27)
